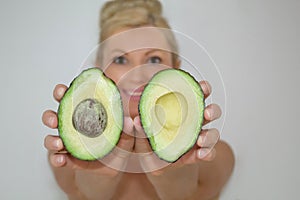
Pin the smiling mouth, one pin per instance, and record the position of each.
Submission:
(134, 94)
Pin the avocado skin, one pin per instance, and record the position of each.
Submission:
(60, 121)
(201, 123)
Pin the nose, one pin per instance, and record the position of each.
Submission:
(139, 71)
(138, 74)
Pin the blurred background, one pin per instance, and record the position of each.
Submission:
(254, 43)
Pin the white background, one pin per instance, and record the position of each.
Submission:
(255, 44)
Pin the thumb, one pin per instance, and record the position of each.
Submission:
(148, 159)
(141, 141)
(128, 126)
(139, 131)
(126, 141)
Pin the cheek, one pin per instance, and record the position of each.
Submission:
(113, 73)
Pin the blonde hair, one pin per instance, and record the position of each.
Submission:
(118, 14)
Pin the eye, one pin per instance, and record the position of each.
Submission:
(155, 60)
(120, 60)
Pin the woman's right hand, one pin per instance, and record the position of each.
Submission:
(59, 157)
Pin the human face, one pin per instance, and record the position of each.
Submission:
(131, 69)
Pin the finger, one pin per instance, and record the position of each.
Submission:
(206, 154)
(58, 160)
(49, 118)
(59, 92)
(53, 143)
(118, 158)
(141, 142)
(126, 141)
(206, 88)
(66, 160)
(128, 126)
(190, 157)
(211, 113)
(142, 145)
(208, 138)
(195, 155)
(139, 131)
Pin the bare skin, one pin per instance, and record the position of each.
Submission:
(92, 180)
(199, 174)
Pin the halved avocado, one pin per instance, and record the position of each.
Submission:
(90, 116)
(171, 111)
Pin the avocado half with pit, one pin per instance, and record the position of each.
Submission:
(171, 110)
(90, 116)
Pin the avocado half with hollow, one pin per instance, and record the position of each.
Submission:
(90, 116)
(171, 111)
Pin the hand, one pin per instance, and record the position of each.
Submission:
(59, 157)
(202, 150)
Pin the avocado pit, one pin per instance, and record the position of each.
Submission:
(90, 118)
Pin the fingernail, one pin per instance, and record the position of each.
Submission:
(200, 141)
(59, 159)
(138, 121)
(57, 144)
(128, 126)
(208, 114)
(51, 121)
(202, 153)
(60, 92)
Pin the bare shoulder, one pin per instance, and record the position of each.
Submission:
(224, 150)
(213, 175)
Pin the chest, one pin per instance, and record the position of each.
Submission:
(135, 186)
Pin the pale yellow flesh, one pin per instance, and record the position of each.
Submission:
(171, 110)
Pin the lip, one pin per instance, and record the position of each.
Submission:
(134, 94)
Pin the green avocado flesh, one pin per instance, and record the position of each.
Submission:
(171, 111)
(90, 116)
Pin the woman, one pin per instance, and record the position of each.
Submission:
(199, 174)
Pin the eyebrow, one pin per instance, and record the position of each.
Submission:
(123, 52)
(117, 51)
(153, 50)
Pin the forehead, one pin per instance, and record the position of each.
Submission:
(132, 39)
